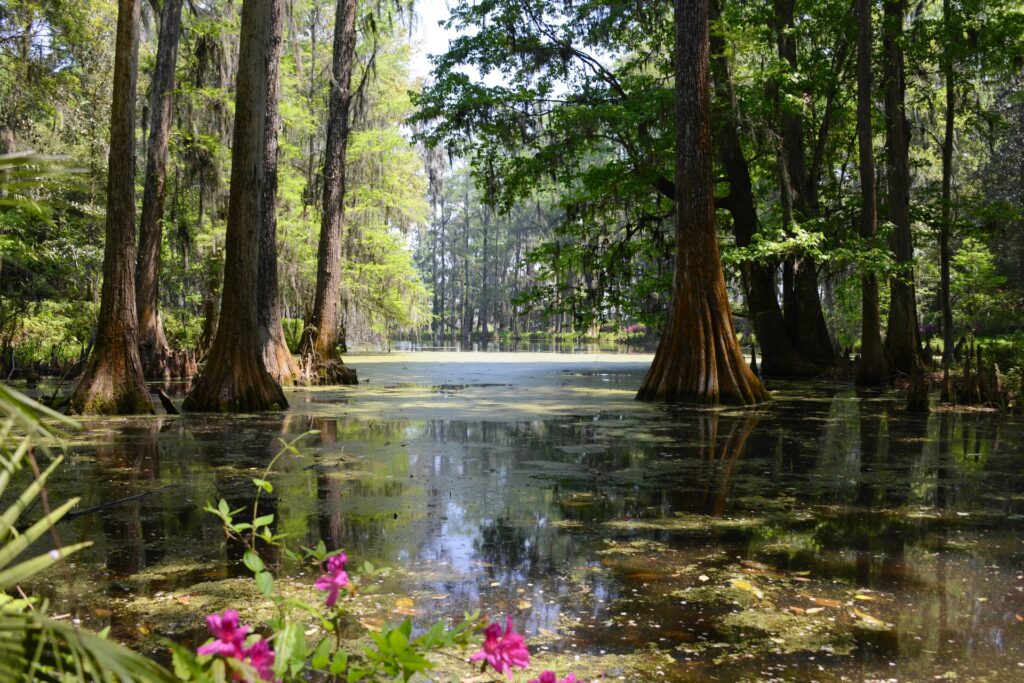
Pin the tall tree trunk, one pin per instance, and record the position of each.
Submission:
(276, 356)
(152, 343)
(698, 357)
(945, 306)
(778, 355)
(235, 377)
(801, 301)
(320, 338)
(902, 340)
(485, 285)
(467, 309)
(113, 382)
(872, 370)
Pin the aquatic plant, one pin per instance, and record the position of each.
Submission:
(284, 654)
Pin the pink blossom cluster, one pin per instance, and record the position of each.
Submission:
(229, 641)
(335, 579)
(551, 677)
(503, 651)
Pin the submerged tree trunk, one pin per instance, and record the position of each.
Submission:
(902, 340)
(872, 370)
(698, 357)
(276, 356)
(320, 338)
(235, 378)
(153, 347)
(113, 382)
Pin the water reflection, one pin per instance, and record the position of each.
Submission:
(593, 526)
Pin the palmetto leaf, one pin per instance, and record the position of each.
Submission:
(34, 647)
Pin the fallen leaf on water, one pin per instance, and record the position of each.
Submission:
(815, 610)
(747, 586)
(143, 629)
(826, 602)
(703, 577)
(183, 599)
(796, 610)
(520, 590)
(874, 621)
(861, 596)
(495, 584)
(372, 623)
(757, 565)
(1018, 617)
(440, 596)
(101, 612)
(524, 604)
(404, 603)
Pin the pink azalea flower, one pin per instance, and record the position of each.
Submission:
(229, 635)
(550, 677)
(261, 657)
(335, 579)
(503, 651)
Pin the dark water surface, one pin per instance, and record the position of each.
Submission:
(826, 536)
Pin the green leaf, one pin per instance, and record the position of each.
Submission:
(253, 562)
(23, 571)
(13, 547)
(339, 662)
(264, 484)
(322, 654)
(290, 646)
(265, 583)
(263, 520)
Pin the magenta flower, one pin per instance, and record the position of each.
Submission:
(335, 579)
(229, 641)
(229, 635)
(503, 651)
(261, 657)
(550, 677)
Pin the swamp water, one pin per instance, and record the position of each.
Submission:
(825, 536)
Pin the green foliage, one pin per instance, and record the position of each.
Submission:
(975, 285)
(391, 653)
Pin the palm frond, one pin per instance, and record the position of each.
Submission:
(34, 647)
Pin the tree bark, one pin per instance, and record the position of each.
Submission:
(801, 300)
(872, 370)
(945, 227)
(698, 357)
(276, 355)
(320, 338)
(113, 382)
(152, 343)
(902, 340)
(485, 285)
(235, 377)
(779, 357)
